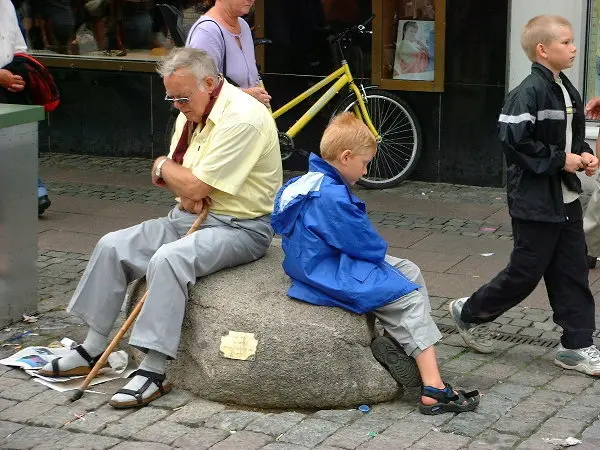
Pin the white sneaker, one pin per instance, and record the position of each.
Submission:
(585, 360)
(476, 336)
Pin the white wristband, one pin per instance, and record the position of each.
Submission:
(159, 167)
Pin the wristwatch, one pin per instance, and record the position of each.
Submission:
(159, 166)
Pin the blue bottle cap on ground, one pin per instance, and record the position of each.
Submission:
(364, 408)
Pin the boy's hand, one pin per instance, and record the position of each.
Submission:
(590, 163)
(573, 163)
(592, 109)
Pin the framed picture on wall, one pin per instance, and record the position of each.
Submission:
(415, 50)
(408, 44)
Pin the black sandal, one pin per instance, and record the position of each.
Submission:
(448, 400)
(75, 371)
(152, 377)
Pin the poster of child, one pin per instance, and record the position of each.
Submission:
(414, 54)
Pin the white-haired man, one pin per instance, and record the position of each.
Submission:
(225, 148)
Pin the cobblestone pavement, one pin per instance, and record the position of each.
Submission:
(528, 402)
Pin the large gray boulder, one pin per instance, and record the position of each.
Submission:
(306, 356)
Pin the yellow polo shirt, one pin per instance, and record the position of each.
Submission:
(237, 153)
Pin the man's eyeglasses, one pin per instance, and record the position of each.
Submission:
(182, 100)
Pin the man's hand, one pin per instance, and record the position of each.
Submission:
(11, 82)
(590, 163)
(573, 163)
(156, 180)
(192, 206)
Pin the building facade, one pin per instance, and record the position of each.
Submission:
(463, 57)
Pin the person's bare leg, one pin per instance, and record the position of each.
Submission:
(430, 372)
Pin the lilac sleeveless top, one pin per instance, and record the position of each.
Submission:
(241, 63)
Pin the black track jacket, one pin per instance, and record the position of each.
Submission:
(532, 129)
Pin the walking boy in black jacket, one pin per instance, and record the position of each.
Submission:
(542, 129)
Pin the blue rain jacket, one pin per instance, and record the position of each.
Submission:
(333, 254)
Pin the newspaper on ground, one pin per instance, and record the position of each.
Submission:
(31, 359)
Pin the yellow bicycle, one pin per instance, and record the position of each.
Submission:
(389, 118)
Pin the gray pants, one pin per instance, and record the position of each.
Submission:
(156, 248)
(408, 320)
(591, 221)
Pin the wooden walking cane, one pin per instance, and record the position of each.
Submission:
(136, 311)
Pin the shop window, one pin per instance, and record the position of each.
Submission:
(408, 44)
(117, 30)
(300, 30)
(592, 79)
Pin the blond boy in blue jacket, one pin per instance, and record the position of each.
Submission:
(335, 257)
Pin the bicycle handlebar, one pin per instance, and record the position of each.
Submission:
(354, 29)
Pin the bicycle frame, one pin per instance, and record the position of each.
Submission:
(344, 77)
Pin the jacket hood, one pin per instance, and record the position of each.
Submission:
(294, 194)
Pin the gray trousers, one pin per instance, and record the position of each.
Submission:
(408, 320)
(591, 221)
(158, 249)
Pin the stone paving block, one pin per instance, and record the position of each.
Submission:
(310, 432)
(556, 427)
(24, 391)
(531, 332)
(53, 397)
(494, 404)
(28, 437)
(395, 410)
(201, 438)
(435, 439)
(555, 335)
(592, 432)
(497, 369)
(464, 363)
(163, 432)
(243, 440)
(444, 352)
(21, 412)
(493, 440)
(574, 384)
(96, 421)
(549, 399)
(18, 374)
(470, 423)
(232, 420)
(131, 424)
(196, 412)
(503, 320)
(522, 424)
(359, 432)
(6, 404)
(521, 323)
(470, 382)
(436, 421)
(523, 353)
(576, 411)
(175, 399)
(80, 441)
(513, 314)
(514, 392)
(284, 446)
(275, 424)
(528, 378)
(8, 428)
(58, 417)
(343, 417)
(4, 369)
(132, 445)
(8, 383)
(536, 442)
(544, 326)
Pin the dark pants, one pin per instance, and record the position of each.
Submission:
(557, 252)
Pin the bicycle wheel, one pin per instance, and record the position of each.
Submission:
(400, 146)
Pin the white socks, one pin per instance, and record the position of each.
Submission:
(153, 362)
(95, 343)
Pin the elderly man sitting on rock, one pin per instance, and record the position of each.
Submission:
(225, 148)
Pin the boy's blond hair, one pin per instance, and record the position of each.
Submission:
(346, 132)
(541, 30)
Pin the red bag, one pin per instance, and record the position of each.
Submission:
(38, 81)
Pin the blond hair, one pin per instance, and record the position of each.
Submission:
(346, 132)
(541, 30)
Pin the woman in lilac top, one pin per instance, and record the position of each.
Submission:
(230, 44)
